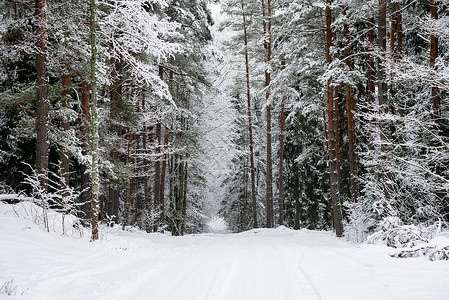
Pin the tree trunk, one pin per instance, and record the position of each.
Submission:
(157, 177)
(350, 108)
(157, 167)
(281, 154)
(332, 132)
(63, 154)
(137, 178)
(128, 162)
(94, 123)
(164, 167)
(393, 31)
(250, 126)
(296, 195)
(370, 61)
(42, 100)
(399, 42)
(399, 30)
(184, 197)
(146, 193)
(269, 176)
(382, 85)
(85, 131)
(382, 44)
(243, 224)
(435, 93)
(172, 192)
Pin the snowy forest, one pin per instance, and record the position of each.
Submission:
(336, 112)
(160, 116)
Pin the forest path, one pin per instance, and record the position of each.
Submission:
(274, 264)
(251, 265)
(280, 264)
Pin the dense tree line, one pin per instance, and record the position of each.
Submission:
(99, 102)
(357, 96)
(341, 112)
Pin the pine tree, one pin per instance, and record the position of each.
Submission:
(42, 146)
(94, 123)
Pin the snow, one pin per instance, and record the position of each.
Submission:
(259, 264)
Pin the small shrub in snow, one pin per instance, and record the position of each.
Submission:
(57, 196)
(405, 236)
(441, 254)
(360, 222)
(9, 288)
(386, 226)
(396, 235)
(432, 252)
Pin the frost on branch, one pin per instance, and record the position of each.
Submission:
(58, 197)
(430, 251)
(416, 238)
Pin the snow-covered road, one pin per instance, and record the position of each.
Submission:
(240, 266)
(259, 264)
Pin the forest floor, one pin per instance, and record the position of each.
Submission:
(258, 264)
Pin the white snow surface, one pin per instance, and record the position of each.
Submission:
(258, 264)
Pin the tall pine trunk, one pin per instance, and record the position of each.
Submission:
(146, 193)
(435, 93)
(370, 61)
(42, 100)
(128, 162)
(382, 84)
(250, 126)
(382, 44)
(163, 172)
(184, 195)
(350, 108)
(399, 30)
(269, 176)
(85, 131)
(332, 132)
(63, 154)
(94, 123)
(281, 154)
(157, 166)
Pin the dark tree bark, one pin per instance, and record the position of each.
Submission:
(42, 146)
(85, 131)
(435, 93)
(269, 176)
(281, 155)
(382, 44)
(184, 178)
(350, 108)
(393, 31)
(146, 193)
(115, 93)
(64, 156)
(157, 173)
(164, 167)
(165, 158)
(399, 30)
(138, 177)
(370, 61)
(94, 124)
(332, 132)
(157, 166)
(382, 85)
(250, 126)
(128, 162)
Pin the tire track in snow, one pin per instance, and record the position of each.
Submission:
(304, 276)
(197, 274)
(234, 267)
